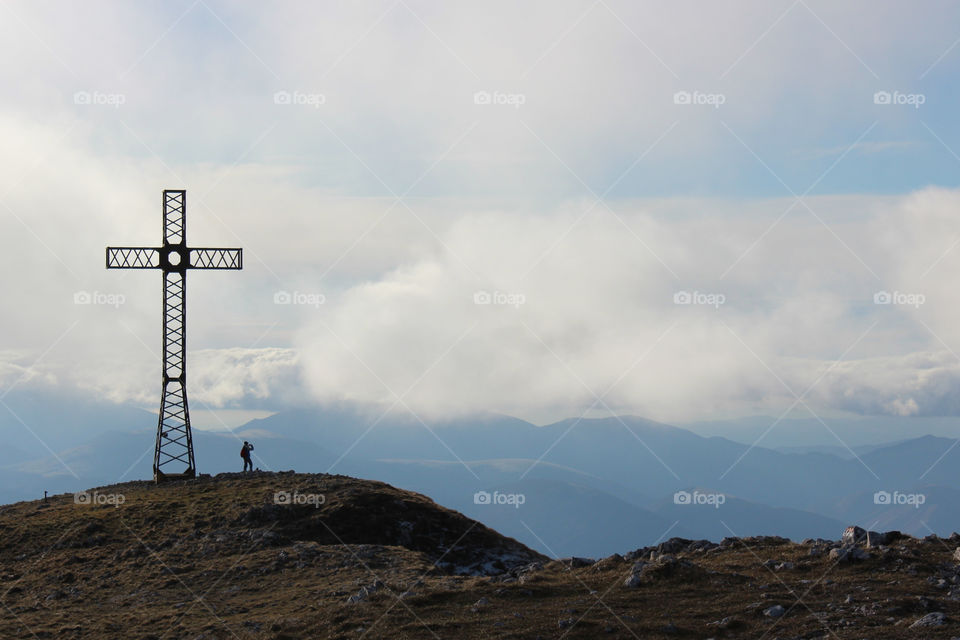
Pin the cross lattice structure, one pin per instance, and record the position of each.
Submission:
(174, 438)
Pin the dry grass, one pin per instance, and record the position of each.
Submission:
(215, 558)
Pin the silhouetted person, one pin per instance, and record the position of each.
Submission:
(245, 454)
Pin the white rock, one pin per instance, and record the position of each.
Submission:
(934, 619)
(853, 535)
(633, 581)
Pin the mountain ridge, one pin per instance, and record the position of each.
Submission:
(284, 556)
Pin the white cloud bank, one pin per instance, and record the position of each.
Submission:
(580, 304)
(598, 313)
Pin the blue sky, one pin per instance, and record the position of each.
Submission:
(798, 80)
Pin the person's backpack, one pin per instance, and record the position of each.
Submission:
(243, 452)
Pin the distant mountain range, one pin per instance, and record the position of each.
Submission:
(833, 433)
(589, 487)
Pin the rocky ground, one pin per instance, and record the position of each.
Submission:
(312, 556)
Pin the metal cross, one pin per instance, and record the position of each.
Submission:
(174, 438)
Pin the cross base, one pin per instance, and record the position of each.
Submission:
(160, 476)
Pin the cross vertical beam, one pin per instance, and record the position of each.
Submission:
(174, 442)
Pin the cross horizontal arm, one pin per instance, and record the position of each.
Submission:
(216, 258)
(133, 258)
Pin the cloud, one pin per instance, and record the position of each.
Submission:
(217, 378)
(247, 377)
(597, 281)
(883, 146)
(917, 384)
(399, 198)
(595, 314)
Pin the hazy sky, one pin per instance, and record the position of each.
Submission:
(588, 165)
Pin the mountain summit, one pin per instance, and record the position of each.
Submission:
(228, 552)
